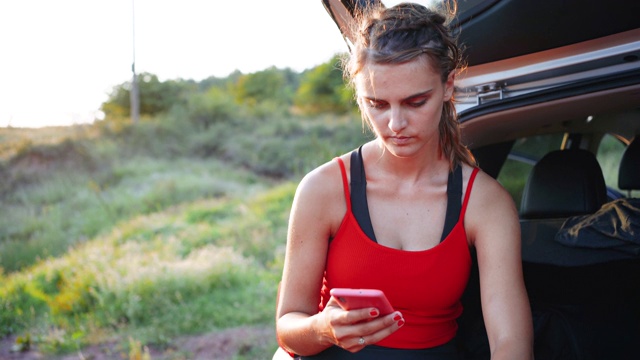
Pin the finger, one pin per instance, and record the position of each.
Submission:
(379, 329)
(350, 317)
(376, 325)
(358, 314)
(361, 342)
(354, 344)
(371, 332)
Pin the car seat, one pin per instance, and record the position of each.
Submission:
(562, 184)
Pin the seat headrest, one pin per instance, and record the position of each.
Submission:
(629, 172)
(564, 183)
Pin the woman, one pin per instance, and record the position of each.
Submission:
(400, 213)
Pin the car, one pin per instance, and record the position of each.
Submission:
(549, 104)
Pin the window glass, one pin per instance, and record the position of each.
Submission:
(609, 155)
(524, 154)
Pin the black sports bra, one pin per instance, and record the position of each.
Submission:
(360, 207)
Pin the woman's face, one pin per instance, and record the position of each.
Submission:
(403, 103)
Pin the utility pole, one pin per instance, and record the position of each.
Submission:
(134, 92)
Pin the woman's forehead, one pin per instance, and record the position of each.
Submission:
(382, 80)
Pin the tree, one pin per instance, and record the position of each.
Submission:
(155, 96)
(214, 106)
(322, 89)
(272, 85)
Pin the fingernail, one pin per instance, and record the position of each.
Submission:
(374, 312)
(397, 317)
(400, 323)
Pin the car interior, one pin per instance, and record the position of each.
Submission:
(585, 299)
(580, 234)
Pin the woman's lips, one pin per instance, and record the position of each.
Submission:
(400, 140)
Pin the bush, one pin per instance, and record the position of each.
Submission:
(213, 107)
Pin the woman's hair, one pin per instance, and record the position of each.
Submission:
(404, 33)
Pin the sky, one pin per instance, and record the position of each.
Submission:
(59, 59)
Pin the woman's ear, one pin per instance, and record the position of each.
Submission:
(449, 85)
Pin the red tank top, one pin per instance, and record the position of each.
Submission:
(425, 286)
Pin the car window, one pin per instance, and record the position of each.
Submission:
(609, 155)
(524, 154)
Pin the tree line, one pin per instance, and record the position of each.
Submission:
(271, 91)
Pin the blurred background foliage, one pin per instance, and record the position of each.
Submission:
(175, 225)
(311, 92)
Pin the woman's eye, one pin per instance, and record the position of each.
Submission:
(376, 104)
(417, 103)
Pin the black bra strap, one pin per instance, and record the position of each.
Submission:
(454, 201)
(359, 205)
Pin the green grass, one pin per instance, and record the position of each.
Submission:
(68, 208)
(142, 234)
(156, 276)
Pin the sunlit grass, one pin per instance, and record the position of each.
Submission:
(151, 232)
(156, 276)
(14, 140)
(69, 208)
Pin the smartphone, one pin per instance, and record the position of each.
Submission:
(350, 299)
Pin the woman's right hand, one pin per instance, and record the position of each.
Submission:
(352, 330)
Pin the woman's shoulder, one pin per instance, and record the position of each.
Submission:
(324, 175)
(487, 195)
(483, 185)
(490, 204)
(320, 199)
(324, 183)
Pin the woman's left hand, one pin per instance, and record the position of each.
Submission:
(352, 330)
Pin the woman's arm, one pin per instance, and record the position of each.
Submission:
(492, 225)
(317, 212)
(310, 228)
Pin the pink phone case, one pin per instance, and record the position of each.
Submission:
(350, 299)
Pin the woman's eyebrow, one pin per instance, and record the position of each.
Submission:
(410, 97)
(423, 93)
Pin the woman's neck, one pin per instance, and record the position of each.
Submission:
(427, 166)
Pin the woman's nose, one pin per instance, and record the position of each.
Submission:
(396, 121)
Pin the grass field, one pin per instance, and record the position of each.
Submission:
(148, 233)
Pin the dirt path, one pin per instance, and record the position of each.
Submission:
(221, 345)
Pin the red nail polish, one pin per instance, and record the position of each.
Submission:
(374, 313)
(400, 323)
(397, 317)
